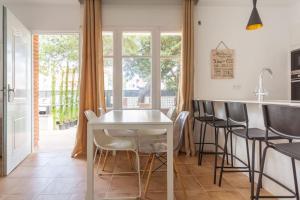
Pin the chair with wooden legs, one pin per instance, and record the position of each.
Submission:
(114, 133)
(105, 142)
(158, 150)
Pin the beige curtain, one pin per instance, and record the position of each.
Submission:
(92, 72)
(186, 84)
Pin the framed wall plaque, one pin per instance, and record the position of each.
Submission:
(222, 63)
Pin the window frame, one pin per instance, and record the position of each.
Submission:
(155, 70)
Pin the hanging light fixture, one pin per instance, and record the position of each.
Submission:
(254, 21)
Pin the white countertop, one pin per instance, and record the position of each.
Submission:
(278, 102)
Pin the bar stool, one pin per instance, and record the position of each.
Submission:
(237, 113)
(282, 121)
(196, 111)
(216, 123)
(202, 119)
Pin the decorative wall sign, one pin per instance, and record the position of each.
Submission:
(222, 62)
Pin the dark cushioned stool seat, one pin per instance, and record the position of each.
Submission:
(289, 149)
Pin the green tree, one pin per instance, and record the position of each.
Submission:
(139, 47)
(55, 52)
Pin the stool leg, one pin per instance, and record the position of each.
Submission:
(261, 171)
(248, 159)
(253, 170)
(260, 154)
(227, 160)
(194, 123)
(223, 158)
(216, 154)
(231, 148)
(295, 179)
(202, 144)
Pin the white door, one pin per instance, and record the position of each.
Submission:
(17, 91)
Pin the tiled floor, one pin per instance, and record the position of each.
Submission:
(52, 174)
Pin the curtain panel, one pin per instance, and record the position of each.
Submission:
(92, 71)
(186, 83)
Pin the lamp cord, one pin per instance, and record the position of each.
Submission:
(254, 3)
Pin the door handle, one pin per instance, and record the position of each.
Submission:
(11, 93)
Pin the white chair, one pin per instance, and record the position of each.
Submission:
(119, 132)
(171, 114)
(104, 141)
(158, 150)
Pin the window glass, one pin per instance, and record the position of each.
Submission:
(136, 66)
(108, 62)
(170, 62)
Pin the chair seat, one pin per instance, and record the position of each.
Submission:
(206, 119)
(254, 133)
(121, 133)
(289, 149)
(223, 124)
(159, 147)
(151, 132)
(114, 143)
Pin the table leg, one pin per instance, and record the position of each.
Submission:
(170, 172)
(90, 164)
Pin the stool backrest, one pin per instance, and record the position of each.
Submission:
(196, 108)
(236, 112)
(208, 108)
(282, 120)
(179, 129)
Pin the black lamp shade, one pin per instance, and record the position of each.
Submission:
(254, 21)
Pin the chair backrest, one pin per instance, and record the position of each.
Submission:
(89, 114)
(179, 128)
(196, 107)
(208, 108)
(100, 136)
(282, 120)
(236, 112)
(172, 113)
(102, 111)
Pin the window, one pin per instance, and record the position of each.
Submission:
(108, 53)
(141, 68)
(136, 67)
(170, 59)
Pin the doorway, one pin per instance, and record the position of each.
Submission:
(56, 68)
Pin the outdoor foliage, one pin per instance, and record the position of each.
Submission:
(137, 61)
(59, 59)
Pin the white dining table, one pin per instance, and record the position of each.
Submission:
(130, 119)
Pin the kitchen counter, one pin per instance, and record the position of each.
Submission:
(279, 102)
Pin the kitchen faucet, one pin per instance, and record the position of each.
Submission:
(261, 92)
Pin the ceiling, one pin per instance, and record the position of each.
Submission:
(201, 2)
(247, 2)
(47, 2)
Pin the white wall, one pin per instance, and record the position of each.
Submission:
(128, 13)
(267, 47)
(139, 15)
(295, 25)
(48, 17)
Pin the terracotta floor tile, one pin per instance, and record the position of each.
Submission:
(51, 174)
